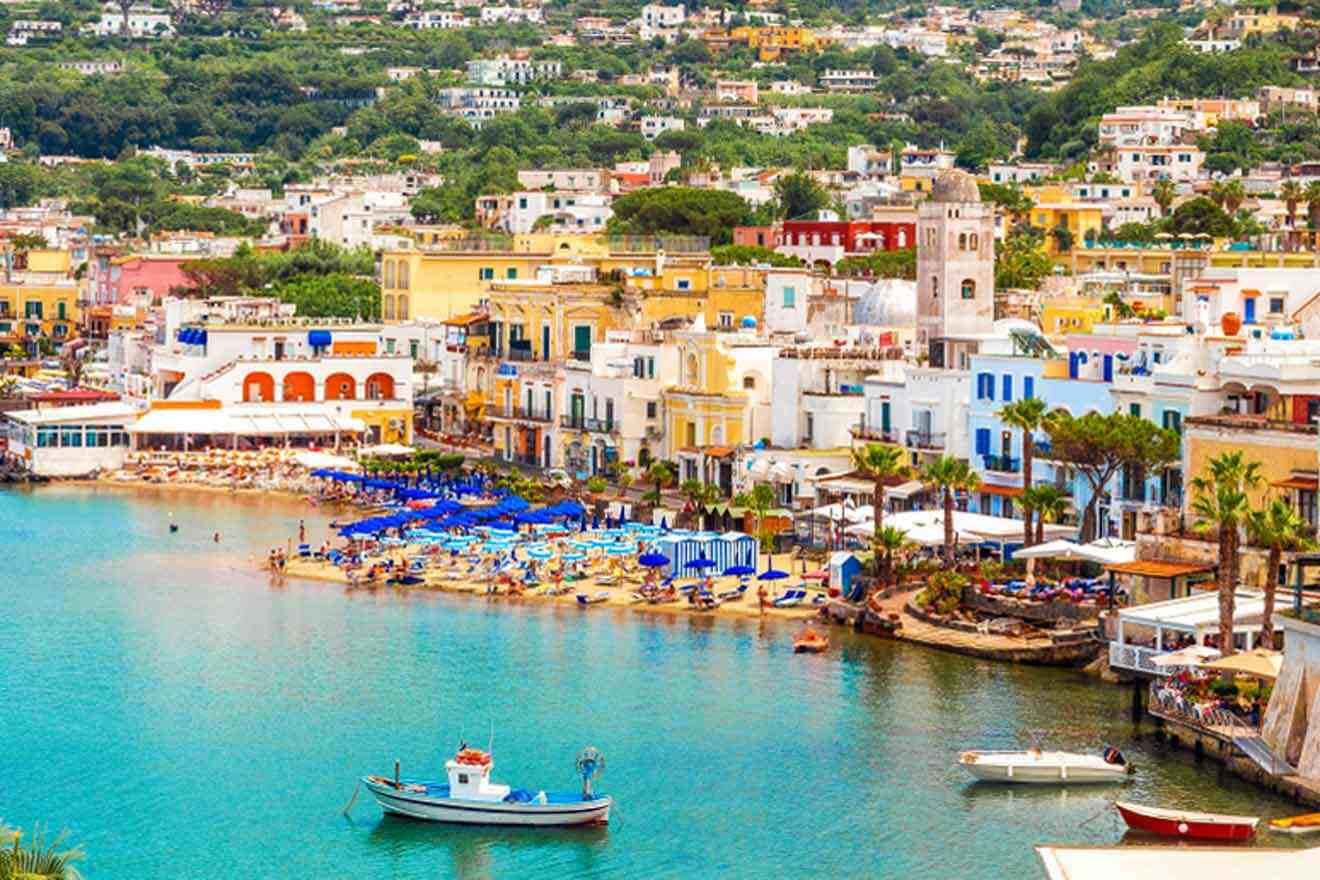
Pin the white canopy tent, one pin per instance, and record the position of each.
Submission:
(968, 527)
(1104, 552)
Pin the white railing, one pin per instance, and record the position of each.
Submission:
(1136, 658)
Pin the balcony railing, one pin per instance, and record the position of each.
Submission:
(871, 432)
(579, 423)
(925, 440)
(1135, 658)
(521, 413)
(1002, 464)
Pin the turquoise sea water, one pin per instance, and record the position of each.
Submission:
(184, 718)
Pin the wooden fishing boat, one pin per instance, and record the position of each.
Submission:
(1186, 823)
(810, 642)
(1307, 823)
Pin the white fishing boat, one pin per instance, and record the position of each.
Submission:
(1035, 766)
(469, 797)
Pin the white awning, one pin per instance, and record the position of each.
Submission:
(783, 473)
(245, 422)
(904, 490)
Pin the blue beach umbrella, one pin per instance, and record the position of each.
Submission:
(739, 570)
(702, 562)
(771, 573)
(653, 560)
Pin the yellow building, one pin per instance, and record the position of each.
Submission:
(771, 43)
(1061, 316)
(30, 312)
(1054, 210)
(707, 408)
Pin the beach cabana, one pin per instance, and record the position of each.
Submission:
(681, 548)
(843, 568)
(732, 548)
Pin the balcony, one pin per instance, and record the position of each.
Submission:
(1001, 464)
(1135, 658)
(521, 414)
(925, 440)
(863, 431)
(579, 423)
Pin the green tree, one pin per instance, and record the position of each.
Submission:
(1047, 504)
(1200, 216)
(1279, 529)
(36, 858)
(1292, 194)
(680, 210)
(1164, 192)
(880, 264)
(878, 463)
(1021, 261)
(761, 500)
(751, 255)
(331, 296)
(1221, 502)
(950, 475)
(799, 196)
(1098, 447)
(889, 544)
(1028, 416)
(660, 474)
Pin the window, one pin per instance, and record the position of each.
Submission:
(389, 273)
(403, 307)
(511, 274)
(1008, 388)
(486, 273)
(935, 285)
(403, 276)
(1028, 387)
(1134, 409)
(790, 297)
(726, 320)
(651, 408)
(985, 386)
(1276, 305)
(60, 310)
(650, 368)
(1172, 421)
(32, 309)
(639, 368)
(749, 383)
(968, 289)
(684, 284)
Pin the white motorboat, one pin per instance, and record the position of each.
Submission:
(471, 798)
(1035, 766)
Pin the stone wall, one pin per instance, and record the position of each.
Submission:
(1037, 612)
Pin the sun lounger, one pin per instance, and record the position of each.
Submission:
(790, 598)
(733, 595)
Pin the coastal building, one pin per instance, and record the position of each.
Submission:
(69, 441)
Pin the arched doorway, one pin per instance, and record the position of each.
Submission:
(340, 386)
(299, 386)
(258, 387)
(380, 386)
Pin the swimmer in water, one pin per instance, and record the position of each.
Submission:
(216, 537)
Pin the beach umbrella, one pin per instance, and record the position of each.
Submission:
(664, 524)
(573, 557)
(701, 562)
(771, 573)
(621, 549)
(739, 570)
(653, 560)
(540, 553)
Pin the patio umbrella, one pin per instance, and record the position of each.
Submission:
(739, 570)
(771, 573)
(1259, 663)
(653, 560)
(1193, 655)
(701, 563)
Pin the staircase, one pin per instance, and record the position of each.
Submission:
(1255, 748)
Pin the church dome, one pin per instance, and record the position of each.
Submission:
(954, 186)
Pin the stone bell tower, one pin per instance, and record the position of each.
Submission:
(955, 265)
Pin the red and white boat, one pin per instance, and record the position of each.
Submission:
(1187, 824)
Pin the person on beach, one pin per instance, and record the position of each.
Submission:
(302, 532)
(216, 537)
(760, 599)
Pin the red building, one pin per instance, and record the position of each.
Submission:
(758, 236)
(816, 241)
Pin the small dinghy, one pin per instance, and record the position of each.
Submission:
(1036, 766)
(470, 798)
(810, 642)
(1308, 823)
(593, 598)
(1186, 824)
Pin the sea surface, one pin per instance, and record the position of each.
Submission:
(183, 717)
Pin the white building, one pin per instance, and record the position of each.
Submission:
(350, 219)
(1181, 164)
(70, 441)
(505, 71)
(143, 23)
(657, 16)
(511, 14)
(654, 126)
(1145, 126)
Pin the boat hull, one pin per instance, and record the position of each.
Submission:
(1028, 772)
(1187, 826)
(460, 812)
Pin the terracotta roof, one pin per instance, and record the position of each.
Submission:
(465, 320)
(718, 451)
(1005, 491)
(1160, 568)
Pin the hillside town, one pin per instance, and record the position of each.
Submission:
(1001, 324)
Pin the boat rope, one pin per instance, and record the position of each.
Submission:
(1103, 810)
(353, 799)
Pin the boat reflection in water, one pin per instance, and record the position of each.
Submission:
(562, 851)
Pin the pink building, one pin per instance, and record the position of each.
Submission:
(137, 279)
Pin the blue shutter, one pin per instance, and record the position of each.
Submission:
(1028, 387)
(1008, 387)
(989, 386)
(1109, 368)
(1249, 310)
(982, 441)
(1072, 364)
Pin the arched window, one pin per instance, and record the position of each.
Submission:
(404, 276)
(935, 285)
(389, 273)
(258, 387)
(693, 371)
(403, 307)
(299, 387)
(387, 311)
(962, 241)
(380, 386)
(902, 239)
(975, 242)
(968, 289)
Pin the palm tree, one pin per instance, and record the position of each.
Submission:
(1028, 416)
(1312, 196)
(1234, 194)
(879, 462)
(1291, 192)
(36, 860)
(950, 475)
(889, 543)
(660, 475)
(1048, 503)
(1163, 194)
(1221, 502)
(760, 500)
(1280, 529)
(1219, 193)
(699, 494)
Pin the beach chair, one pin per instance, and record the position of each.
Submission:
(304, 550)
(790, 598)
(733, 595)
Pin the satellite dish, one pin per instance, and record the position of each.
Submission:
(590, 764)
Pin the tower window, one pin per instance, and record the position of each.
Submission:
(935, 285)
(968, 289)
(962, 241)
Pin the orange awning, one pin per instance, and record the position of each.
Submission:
(1004, 491)
(718, 451)
(1311, 483)
(1160, 568)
